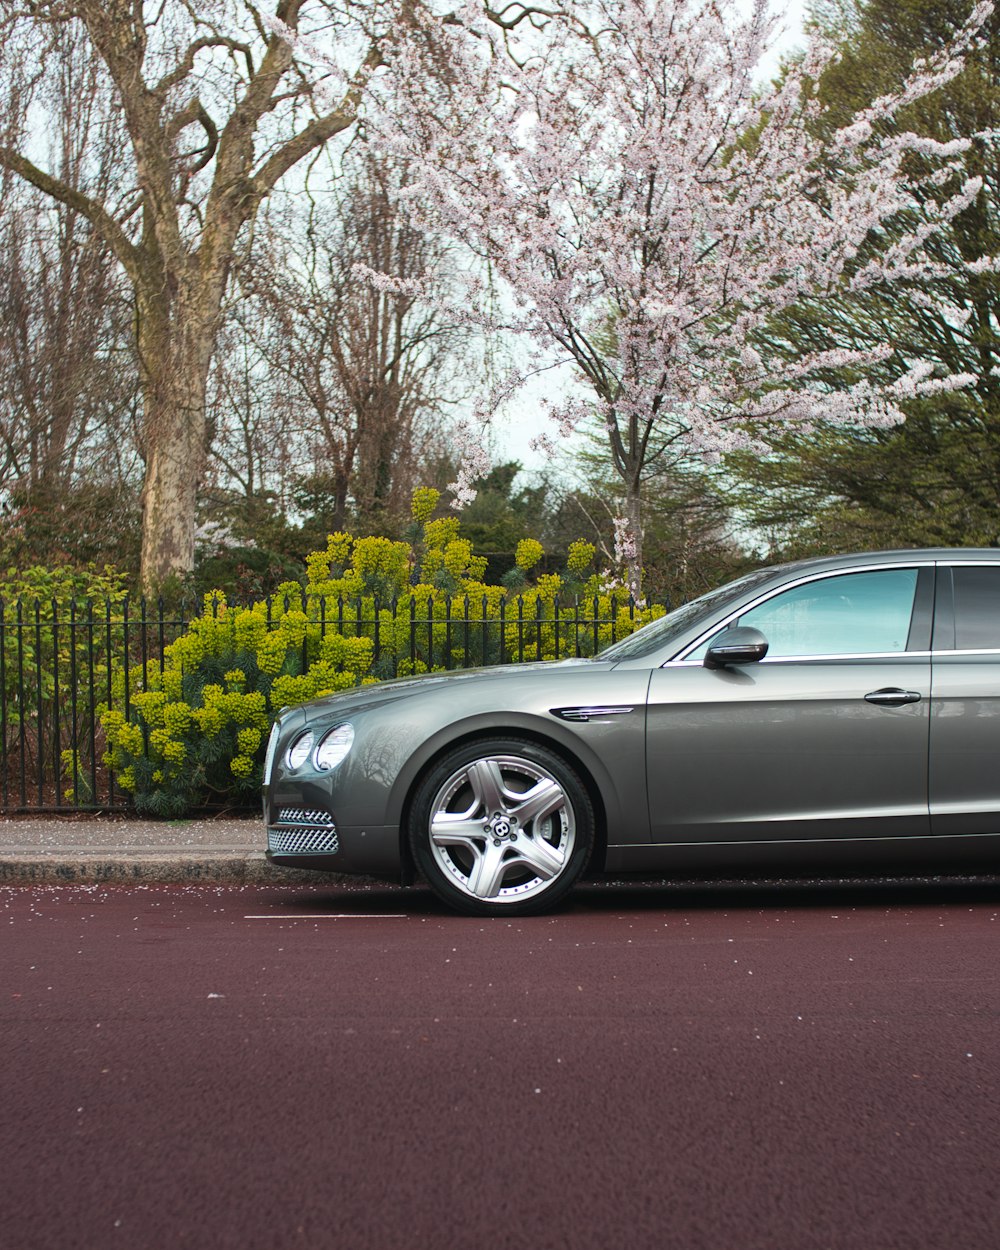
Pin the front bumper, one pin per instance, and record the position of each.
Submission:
(297, 839)
(304, 829)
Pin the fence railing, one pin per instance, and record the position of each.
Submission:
(62, 665)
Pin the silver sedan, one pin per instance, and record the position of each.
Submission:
(840, 712)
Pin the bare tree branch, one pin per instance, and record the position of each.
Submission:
(110, 231)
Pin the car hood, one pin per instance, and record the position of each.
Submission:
(366, 697)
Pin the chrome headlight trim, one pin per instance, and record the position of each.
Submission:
(272, 746)
(333, 747)
(299, 751)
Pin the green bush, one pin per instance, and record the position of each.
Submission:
(371, 608)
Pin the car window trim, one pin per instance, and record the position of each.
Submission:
(682, 661)
(943, 638)
(945, 618)
(826, 658)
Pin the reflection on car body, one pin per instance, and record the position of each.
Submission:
(839, 712)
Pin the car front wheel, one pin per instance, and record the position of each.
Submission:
(501, 827)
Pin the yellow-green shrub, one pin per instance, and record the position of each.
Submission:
(196, 733)
(371, 608)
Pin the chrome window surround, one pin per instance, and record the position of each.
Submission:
(847, 656)
(682, 661)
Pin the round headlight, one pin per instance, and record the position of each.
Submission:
(298, 752)
(334, 746)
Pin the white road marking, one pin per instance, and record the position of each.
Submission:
(344, 915)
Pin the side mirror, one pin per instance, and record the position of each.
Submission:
(741, 645)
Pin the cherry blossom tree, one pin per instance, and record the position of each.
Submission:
(651, 207)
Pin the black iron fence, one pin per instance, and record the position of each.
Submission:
(62, 665)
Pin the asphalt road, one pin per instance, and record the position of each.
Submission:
(728, 1069)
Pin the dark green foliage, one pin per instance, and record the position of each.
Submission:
(71, 525)
(936, 478)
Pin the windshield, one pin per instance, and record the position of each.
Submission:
(657, 634)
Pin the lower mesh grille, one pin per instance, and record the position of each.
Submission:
(304, 816)
(302, 831)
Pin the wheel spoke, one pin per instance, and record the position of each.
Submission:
(488, 872)
(540, 801)
(487, 785)
(540, 856)
(456, 830)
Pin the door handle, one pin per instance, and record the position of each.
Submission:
(892, 696)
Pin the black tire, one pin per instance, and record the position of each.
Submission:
(501, 827)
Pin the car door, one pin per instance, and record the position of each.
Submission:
(824, 738)
(965, 702)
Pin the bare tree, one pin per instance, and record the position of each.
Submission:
(216, 108)
(68, 376)
(363, 369)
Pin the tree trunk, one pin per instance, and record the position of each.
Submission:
(175, 379)
(633, 551)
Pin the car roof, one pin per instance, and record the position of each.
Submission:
(895, 556)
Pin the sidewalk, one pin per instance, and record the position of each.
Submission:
(53, 850)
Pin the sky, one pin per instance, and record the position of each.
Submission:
(513, 430)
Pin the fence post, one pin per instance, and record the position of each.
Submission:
(20, 703)
(143, 643)
(73, 683)
(3, 696)
(375, 630)
(159, 631)
(92, 701)
(38, 699)
(395, 636)
(107, 615)
(128, 675)
(56, 719)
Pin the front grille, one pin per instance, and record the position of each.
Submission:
(303, 831)
(303, 816)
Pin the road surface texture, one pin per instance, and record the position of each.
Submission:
(733, 1069)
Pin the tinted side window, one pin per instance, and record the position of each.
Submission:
(977, 608)
(850, 614)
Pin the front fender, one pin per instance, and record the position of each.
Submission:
(610, 750)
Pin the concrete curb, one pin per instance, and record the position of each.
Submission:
(95, 867)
